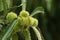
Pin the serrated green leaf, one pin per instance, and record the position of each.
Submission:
(37, 10)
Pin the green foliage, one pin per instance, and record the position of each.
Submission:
(2, 4)
(46, 13)
(21, 24)
(38, 10)
(9, 30)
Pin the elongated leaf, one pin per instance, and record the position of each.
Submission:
(37, 33)
(51, 7)
(14, 37)
(2, 5)
(49, 2)
(37, 10)
(26, 35)
(9, 30)
(5, 7)
(9, 2)
(23, 4)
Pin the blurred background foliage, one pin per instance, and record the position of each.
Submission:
(49, 23)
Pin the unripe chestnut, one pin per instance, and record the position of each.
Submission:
(11, 16)
(35, 22)
(24, 13)
(25, 21)
(31, 19)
